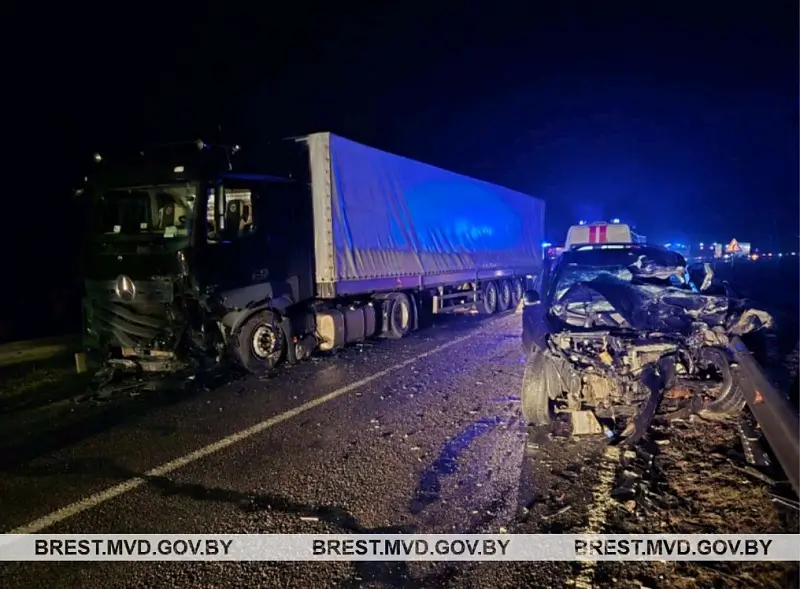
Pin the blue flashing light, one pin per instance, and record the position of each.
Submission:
(546, 244)
(615, 220)
(581, 222)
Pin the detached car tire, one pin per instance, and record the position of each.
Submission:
(535, 399)
(729, 404)
(730, 400)
(260, 343)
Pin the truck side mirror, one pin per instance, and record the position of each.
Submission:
(531, 297)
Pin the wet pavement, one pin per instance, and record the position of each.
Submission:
(421, 435)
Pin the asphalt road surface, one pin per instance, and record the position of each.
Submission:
(422, 435)
(419, 435)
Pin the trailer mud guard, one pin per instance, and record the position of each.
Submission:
(415, 304)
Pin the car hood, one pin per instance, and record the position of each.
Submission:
(607, 300)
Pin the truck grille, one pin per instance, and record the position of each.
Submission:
(147, 291)
(126, 324)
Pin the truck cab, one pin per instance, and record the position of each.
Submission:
(181, 249)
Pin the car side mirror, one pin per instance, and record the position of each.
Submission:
(531, 297)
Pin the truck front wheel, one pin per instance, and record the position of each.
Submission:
(260, 344)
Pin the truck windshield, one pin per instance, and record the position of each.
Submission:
(144, 212)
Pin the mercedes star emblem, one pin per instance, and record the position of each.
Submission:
(125, 288)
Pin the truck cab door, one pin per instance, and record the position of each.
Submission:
(237, 243)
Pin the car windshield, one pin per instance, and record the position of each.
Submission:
(642, 265)
(145, 212)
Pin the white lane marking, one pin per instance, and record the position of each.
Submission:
(598, 510)
(112, 492)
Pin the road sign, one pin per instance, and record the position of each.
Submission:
(733, 247)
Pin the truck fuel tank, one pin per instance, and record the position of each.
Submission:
(339, 327)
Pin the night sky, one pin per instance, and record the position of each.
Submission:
(682, 119)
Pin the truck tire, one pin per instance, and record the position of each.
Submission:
(488, 302)
(400, 316)
(517, 291)
(504, 296)
(260, 344)
(534, 398)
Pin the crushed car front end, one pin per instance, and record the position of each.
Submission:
(621, 332)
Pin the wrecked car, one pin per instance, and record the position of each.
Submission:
(615, 329)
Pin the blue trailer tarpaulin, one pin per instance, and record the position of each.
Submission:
(379, 215)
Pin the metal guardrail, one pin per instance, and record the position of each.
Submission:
(778, 418)
(14, 353)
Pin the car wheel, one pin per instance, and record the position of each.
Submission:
(729, 400)
(535, 399)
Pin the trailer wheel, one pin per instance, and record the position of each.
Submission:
(517, 291)
(400, 316)
(488, 302)
(504, 296)
(260, 344)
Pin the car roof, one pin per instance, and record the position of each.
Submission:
(611, 250)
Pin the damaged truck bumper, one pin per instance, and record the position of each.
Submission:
(132, 341)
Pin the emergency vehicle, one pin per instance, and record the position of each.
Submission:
(601, 233)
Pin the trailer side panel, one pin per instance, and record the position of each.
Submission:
(398, 223)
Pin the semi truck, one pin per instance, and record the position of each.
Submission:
(197, 253)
